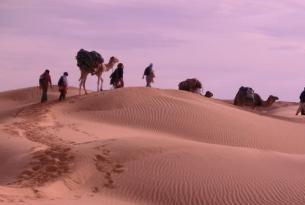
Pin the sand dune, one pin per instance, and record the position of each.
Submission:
(192, 117)
(151, 146)
(13, 101)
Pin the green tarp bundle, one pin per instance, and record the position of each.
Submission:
(88, 60)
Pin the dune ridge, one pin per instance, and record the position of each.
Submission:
(151, 146)
(190, 116)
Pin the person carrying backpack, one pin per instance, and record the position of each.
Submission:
(116, 78)
(63, 86)
(150, 75)
(44, 82)
(301, 108)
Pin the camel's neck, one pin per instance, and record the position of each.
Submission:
(109, 65)
(268, 102)
(104, 68)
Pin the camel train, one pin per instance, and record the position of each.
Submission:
(92, 62)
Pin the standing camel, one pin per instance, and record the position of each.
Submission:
(92, 62)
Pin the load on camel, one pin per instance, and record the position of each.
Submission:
(193, 85)
(92, 62)
(247, 97)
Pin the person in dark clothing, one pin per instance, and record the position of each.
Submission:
(63, 86)
(117, 76)
(150, 75)
(301, 108)
(44, 82)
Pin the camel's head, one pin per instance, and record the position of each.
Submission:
(273, 98)
(113, 60)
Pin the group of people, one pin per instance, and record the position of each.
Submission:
(45, 81)
(116, 80)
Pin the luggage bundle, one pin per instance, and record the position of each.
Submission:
(88, 60)
(190, 85)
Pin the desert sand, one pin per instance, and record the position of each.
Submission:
(148, 146)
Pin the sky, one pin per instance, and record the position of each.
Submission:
(224, 43)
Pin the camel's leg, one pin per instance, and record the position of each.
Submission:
(102, 80)
(84, 86)
(80, 87)
(98, 83)
(82, 83)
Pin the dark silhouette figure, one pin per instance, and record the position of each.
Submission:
(150, 75)
(116, 78)
(63, 86)
(44, 82)
(301, 108)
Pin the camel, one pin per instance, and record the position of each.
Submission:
(193, 85)
(247, 97)
(92, 62)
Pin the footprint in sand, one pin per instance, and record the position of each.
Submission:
(118, 168)
(105, 165)
(47, 165)
(95, 189)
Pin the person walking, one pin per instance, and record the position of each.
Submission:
(116, 78)
(150, 75)
(301, 108)
(44, 82)
(63, 86)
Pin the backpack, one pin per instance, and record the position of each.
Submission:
(61, 81)
(42, 78)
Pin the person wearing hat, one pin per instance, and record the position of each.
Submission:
(301, 108)
(63, 86)
(44, 82)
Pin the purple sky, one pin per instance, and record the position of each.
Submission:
(224, 43)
